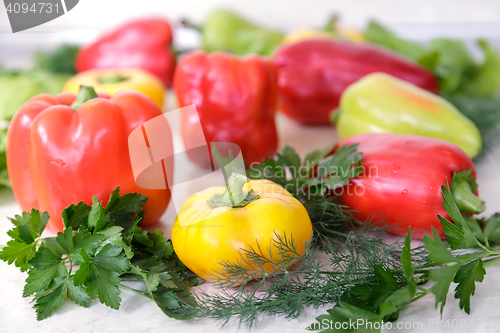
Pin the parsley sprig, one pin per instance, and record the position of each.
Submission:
(319, 173)
(99, 248)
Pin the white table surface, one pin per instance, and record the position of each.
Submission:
(139, 314)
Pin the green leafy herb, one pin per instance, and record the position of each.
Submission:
(25, 237)
(98, 249)
(486, 81)
(449, 60)
(380, 35)
(319, 173)
(61, 60)
(483, 112)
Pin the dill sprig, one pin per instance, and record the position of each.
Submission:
(319, 278)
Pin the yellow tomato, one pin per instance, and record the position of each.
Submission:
(204, 236)
(112, 81)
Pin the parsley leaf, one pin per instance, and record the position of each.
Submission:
(289, 157)
(34, 221)
(407, 264)
(75, 215)
(466, 278)
(100, 274)
(25, 236)
(19, 253)
(123, 209)
(45, 267)
(347, 314)
(459, 233)
(77, 294)
(51, 298)
(320, 172)
(491, 228)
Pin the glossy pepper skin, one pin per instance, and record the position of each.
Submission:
(203, 236)
(138, 44)
(57, 156)
(380, 103)
(112, 81)
(235, 99)
(313, 74)
(402, 179)
(228, 32)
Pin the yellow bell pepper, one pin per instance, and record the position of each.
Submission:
(214, 226)
(306, 34)
(112, 81)
(339, 32)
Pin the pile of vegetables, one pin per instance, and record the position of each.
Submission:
(410, 118)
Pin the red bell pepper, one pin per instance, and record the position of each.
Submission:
(235, 99)
(141, 44)
(313, 74)
(57, 156)
(400, 185)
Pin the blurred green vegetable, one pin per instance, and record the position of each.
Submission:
(486, 82)
(226, 31)
(4, 176)
(484, 113)
(17, 87)
(61, 60)
(380, 35)
(51, 71)
(448, 59)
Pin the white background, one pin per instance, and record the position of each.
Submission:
(416, 19)
(281, 13)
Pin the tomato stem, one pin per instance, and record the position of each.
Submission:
(234, 196)
(110, 79)
(86, 93)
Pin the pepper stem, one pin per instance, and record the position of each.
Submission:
(334, 115)
(188, 24)
(86, 93)
(234, 196)
(115, 78)
(463, 187)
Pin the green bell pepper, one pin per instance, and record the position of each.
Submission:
(380, 103)
(226, 31)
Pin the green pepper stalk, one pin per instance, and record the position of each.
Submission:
(234, 196)
(86, 93)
